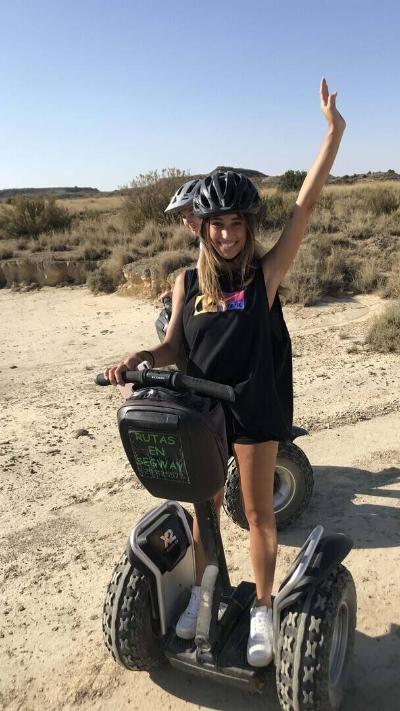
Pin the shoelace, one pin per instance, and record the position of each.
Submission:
(193, 606)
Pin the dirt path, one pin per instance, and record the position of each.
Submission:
(67, 503)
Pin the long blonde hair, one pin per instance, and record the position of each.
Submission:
(211, 265)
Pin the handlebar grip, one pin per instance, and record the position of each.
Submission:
(128, 376)
(205, 387)
(175, 380)
(101, 379)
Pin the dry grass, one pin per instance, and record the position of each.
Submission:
(78, 206)
(352, 245)
(109, 275)
(170, 261)
(391, 286)
(7, 248)
(384, 333)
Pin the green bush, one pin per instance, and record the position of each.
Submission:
(384, 333)
(292, 180)
(32, 216)
(149, 195)
(274, 211)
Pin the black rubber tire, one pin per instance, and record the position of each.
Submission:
(127, 620)
(303, 662)
(293, 465)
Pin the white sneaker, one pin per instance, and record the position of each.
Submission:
(260, 644)
(186, 625)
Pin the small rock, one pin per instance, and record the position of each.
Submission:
(82, 433)
(13, 366)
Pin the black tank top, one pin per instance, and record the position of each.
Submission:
(245, 345)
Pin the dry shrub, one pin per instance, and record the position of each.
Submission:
(303, 281)
(323, 220)
(381, 201)
(180, 238)
(148, 197)
(170, 261)
(155, 238)
(359, 225)
(275, 210)
(7, 250)
(322, 267)
(32, 216)
(90, 252)
(292, 180)
(384, 332)
(109, 275)
(149, 240)
(368, 276)
(391, 288)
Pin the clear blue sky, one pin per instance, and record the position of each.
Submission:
(94, 92)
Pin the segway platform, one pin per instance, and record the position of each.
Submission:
(226, 661)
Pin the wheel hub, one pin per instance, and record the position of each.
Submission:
(338, 650)
(284, 488)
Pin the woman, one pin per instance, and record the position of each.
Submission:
(221, 313)
(181, 204)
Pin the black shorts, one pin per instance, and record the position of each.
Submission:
(237, 434)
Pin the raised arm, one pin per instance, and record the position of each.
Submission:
(278, 260)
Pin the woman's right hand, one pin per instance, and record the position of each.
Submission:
(114, 372)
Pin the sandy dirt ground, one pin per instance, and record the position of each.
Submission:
(68, 502)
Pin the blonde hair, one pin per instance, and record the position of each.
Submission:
(211, 265)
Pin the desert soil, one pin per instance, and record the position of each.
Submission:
(68, 502)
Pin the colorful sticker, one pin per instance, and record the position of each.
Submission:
(233, 302)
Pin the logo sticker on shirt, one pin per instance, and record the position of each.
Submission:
(232, 302)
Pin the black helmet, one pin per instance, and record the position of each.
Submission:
(183, 197)
(225, 191)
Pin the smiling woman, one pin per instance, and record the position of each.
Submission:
(225, 314)
(227, 234)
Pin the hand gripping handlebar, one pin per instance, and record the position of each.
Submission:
(174, 380)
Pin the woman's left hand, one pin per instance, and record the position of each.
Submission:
(328, 108)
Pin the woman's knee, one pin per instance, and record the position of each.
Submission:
(261, 518)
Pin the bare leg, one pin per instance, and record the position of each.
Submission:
(256, 467)
(200, 558)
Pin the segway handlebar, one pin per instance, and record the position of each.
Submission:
(174, 380)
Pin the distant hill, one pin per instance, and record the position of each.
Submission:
(365, 177)
(253, 174)
(380, 176)
(75, 192)
(256, 175)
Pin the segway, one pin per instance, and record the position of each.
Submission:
(177, 453)
(294, 478)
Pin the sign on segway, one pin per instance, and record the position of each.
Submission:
(158, 455)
